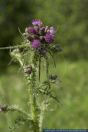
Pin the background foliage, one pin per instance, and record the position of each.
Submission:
(70, 17)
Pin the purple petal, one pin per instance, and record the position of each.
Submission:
(52, 30)
(49, 38)
(37, 22)
(36, 43)
(31, 30)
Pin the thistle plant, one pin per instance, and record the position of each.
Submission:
(37, 46)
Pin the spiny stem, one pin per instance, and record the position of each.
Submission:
(13, 47)
(39, 66)
(41, 116)
(52, 56)
(47, 68)
(33, 103)
(12, 108)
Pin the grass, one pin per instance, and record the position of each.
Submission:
(72, 91)
(74, 97)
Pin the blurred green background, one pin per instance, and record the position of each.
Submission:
(70, 18)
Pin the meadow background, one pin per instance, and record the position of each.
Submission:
(70, 18)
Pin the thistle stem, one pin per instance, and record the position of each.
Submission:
(12, 108)
(47, 68)
(39, 66)
(13, 47)
(33, 103)
(33, 111)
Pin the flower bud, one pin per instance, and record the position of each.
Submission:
(28, 70)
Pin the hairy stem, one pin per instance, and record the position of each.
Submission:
(47, 68)
(14, 47)
(33, 103)
(12, 108)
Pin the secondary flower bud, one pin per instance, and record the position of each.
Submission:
(28, 69)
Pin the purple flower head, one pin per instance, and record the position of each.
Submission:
(36, 43)
(39, 34)
(37, 22)
(52, 31)
(31, 30)
(49, 38)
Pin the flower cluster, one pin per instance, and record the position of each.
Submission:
(39, 35)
